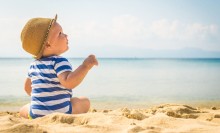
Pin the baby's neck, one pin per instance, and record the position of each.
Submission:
(48, 53)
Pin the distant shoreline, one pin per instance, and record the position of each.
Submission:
(14, 105)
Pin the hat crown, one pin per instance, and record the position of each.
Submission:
(34, 35)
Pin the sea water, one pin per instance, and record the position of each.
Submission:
(126, 81)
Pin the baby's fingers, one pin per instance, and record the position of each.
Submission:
(96, 62)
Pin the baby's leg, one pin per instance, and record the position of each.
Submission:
(24, 111)
(80, 105)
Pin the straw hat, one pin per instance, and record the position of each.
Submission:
(34, 35)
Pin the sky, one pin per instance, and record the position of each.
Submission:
(119, 28)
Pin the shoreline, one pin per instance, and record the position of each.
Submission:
(10, 106)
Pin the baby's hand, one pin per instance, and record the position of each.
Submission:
(90, 61)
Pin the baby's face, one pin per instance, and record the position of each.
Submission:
(57, 39)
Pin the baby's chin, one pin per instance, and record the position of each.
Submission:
(67, 48)
(62, 52)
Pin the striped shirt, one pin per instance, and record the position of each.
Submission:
(48, 95)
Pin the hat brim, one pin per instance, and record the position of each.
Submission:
(44, 43)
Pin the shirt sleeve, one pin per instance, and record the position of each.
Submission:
(62, 65)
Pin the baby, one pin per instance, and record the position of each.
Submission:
(50, 77)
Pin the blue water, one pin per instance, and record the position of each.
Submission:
(128, 81)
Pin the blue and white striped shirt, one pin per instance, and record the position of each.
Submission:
(48, 95)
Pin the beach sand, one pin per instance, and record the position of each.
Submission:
(168, 118)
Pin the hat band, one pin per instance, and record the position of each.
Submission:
(45, 39)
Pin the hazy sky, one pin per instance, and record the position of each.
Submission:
(116, 28)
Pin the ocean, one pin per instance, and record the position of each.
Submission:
(126, 82)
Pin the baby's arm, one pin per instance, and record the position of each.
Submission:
(27, 86)
(72, 79)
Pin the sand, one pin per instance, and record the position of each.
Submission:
(167, 118)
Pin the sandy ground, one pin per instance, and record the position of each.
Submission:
(166, 118)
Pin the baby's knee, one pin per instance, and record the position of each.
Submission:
(80, 105)
(86, 103)
(24, 111)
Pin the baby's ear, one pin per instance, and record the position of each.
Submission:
(47, 45)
